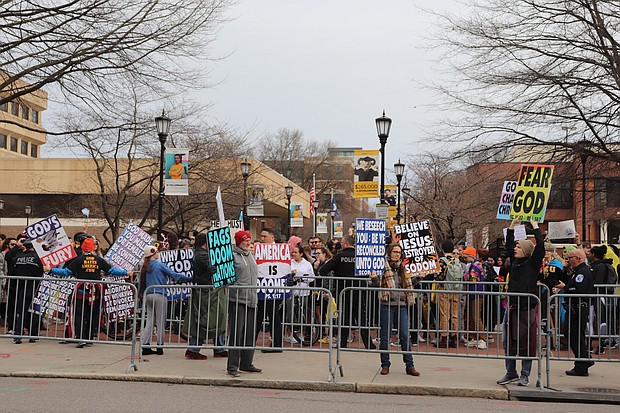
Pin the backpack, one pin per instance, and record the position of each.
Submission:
(612, 276)
(452, 272)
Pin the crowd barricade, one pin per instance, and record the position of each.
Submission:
(459, 319)
(586, 327)
(287, 318)
(70, 311)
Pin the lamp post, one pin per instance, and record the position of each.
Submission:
(583, 151)
(406, 192)
(245, 172)
(289, 193)
(332, 214)
(399, 170)
(315, 204)
(383, 131)
(28, 211)
(1, 211)
(163, 127)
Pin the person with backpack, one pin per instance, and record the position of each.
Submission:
(449, 303)
(604, 273)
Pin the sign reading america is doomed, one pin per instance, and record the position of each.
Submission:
(221, 256)
(532, 193)
(419, 253)
(274, 266)
(369, 246)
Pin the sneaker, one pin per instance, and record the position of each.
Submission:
(148, 351)
(421, 339)
(613, 344)
(482, 345)
(81, 344)
(471, 343)
(17, 341)
(508, 378)
(350, 339)
(221, 354)
(523, 381)
(290, 339)
(397, 343)
(194, 355)
(434, 342)
(490, 340)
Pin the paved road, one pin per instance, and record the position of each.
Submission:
(63, 395)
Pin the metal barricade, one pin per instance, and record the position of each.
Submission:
(71, 311)
(452, 335)
(579, 335)
(287, 318)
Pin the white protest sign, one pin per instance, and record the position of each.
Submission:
(562, 229)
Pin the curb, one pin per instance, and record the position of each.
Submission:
(565, 396)
(499, 394)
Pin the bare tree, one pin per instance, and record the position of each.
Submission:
(530, 72)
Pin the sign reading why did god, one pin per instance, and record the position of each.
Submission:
(532, 192)
(221, 256)
(181, 261)
(419, 253)
(369, 246)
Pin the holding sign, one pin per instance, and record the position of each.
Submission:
(274, 267)
(419, 253)
(532, 193)
(50, 241)
(369, 246)
(221, 256)
(181, 261)
(128, 249)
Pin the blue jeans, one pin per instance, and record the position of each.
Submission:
(220, 341)
(387, 314)
(511, 364)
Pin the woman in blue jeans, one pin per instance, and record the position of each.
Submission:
(394, 305)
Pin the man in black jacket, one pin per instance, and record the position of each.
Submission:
(26, 263)
(582, 282)
(353, 305)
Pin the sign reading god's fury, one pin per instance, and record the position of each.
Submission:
(532, 193)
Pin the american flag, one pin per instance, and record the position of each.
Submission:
(312, 198)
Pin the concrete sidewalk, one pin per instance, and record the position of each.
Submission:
(440, 375)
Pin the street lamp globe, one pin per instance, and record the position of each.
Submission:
(245, 169)
(28, 209)
(289, 191)
(383, 127)
(163, 125)
(399, 170)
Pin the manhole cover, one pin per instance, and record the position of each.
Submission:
(600, 390)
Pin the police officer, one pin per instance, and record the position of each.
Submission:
(354, 302)
(582, 282)
(26, 263)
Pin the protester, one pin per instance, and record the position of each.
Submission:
(242, 308)
(520, 322)
(154, 272)
(206, 316)
(270, 310)
(604, 273)
(86, 301)
(393, 308)
(578, 308)
(475, 274)
(448, 303)
(7, 244)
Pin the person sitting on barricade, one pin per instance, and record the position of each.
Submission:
(87, 297)
(206, 315)
(394, 308)
(521, 319)
(154, 272)
(242, 308)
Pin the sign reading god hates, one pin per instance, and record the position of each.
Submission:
(505, 201)
(221, 256)
(274, 266)
(128, 249)
(50, 241)
(532, 193)
(419, 253)
(369, 246)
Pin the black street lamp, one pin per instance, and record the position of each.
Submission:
(315, 204)
(407, 193)
(28, 211)
(1, 210)
(289, 193)
(399, 170)
(383, 130)
(245, 172)
(582, 148)
(163, 127)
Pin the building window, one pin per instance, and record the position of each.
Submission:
(34, 116)
(4, 107)
(34, 151)
(561, 195)
(2, 141)
(25, 112)
(14, 144)
(24, 148)
(14, 109)
(613, 193)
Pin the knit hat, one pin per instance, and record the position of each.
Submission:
(527, 246)
(201, 239)
(149, 251)
(470, 251)
(241, 236)
(88, 245)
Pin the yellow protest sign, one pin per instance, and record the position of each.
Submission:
(532, 193)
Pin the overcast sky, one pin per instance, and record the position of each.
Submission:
(328, 68)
